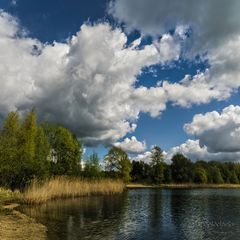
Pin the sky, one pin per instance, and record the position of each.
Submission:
(127, 73)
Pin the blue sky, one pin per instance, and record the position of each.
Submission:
(58, 21)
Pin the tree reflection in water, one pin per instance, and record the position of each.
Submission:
(144, 214)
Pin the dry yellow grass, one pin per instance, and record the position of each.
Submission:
(63, 187)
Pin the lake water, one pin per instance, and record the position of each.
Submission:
(144, 214)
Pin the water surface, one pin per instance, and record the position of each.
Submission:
(144, 214)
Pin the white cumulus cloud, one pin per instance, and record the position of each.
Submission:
(145, 157)
(217, 136)
(132, 145)
(219, 132)
(197, 22)
(193, 150)
(86, 83)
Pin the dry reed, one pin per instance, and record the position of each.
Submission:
(63, 187)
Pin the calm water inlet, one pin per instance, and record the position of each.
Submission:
(144, 214)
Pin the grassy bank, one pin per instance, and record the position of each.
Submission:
(182, 186)
(62, 187)
(15, 225)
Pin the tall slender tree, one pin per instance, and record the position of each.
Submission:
(9, 150)
(28, 136)
(157, 165)
(92, 167)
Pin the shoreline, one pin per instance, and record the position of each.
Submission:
(16, 225)
(182, 186)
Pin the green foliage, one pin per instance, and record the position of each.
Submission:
(66, 151)
(18, 142)
(9, 154)
(157, 156)
(157, 165)
(92, 167)
(117, 161)
(181, 169)
(29, 150)
(167, 173)
(125, 169)
(200, 175)
(141, 172)
(41, 154)
(25, 148)
(233, 178)
(28, 136)
(215, 175)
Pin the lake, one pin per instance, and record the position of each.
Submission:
(144, 214)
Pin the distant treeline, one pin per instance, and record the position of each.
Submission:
(29, 150)
(183, 170)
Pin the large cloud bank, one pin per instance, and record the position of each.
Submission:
(211, 30)
(212, 22)
(86, 83)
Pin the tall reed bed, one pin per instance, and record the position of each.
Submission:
(64, 187)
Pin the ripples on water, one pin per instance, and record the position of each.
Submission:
(144, 214)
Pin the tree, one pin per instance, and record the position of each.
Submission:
(167, 173)
(181, 169)
(23, 151)
(28, 136)
(125, 169)
(9, 150)
(215, 175)
(42, 152)
(30, 166)
(233, 178)
(157, 165)
(65, 148)
(92, 167)
(117, 161)
(228, 172)
(137, 171)
(200, 175)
